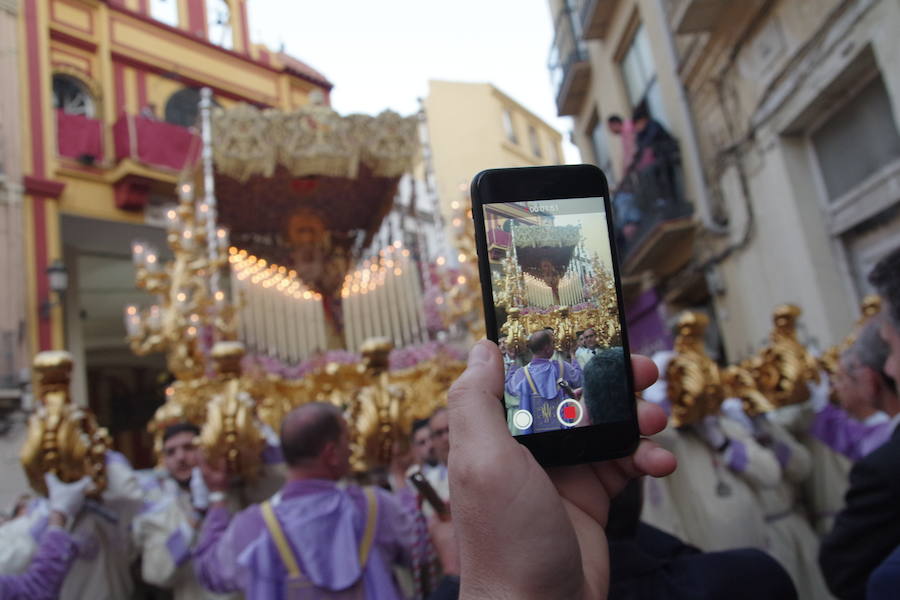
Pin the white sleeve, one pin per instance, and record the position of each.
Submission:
(18, 543)
(164, 538)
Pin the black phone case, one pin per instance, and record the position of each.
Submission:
(598, 442)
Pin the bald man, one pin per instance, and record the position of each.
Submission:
(537, 384)
(315, 538)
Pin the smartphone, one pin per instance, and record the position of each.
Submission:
(429, 494)
(549, 275)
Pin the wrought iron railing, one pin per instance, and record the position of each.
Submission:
(568, 45)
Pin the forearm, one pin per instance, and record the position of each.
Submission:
(213, 571)
(47, 571)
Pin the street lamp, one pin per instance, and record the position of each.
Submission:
(58, 279)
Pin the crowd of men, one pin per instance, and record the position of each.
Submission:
(756, 508)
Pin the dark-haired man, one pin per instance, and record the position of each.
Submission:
(177, 498)
(868, 529)
(314, 538)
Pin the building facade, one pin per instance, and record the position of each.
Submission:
(475, 126)
(13, 346)
(786, 118)
(108, 127)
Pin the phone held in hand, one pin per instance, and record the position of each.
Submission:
(553, 301)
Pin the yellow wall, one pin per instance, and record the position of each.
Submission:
(92, 40)
(466, 134)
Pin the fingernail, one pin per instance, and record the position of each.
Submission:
(479, 354)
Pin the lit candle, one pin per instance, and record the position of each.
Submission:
(154, 318)
(132, 321)
(318, 308)
(138, 254)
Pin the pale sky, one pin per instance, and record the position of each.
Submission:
(381, 54)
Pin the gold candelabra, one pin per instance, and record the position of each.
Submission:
(188, 298)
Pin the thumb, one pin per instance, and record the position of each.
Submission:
(475, 400)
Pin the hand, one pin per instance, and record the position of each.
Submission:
(525, 532)
(66, 498)
(444, 541)
(215, 476)
(199, 491)
(711, 432)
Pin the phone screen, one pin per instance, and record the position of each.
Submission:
(557, 311)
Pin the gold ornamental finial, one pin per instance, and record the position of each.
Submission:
(63, 438)
(693, 380)
(739, 383)
(795, 365)
(514, 330)
(376, 353)
(563, 329)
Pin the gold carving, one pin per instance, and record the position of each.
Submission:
(312, 140)
(63, 438)
(794, 364)
(694, 385)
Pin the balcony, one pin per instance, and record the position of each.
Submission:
(79, 137)
(654, 224)
(570, 69)
(695, 16)
(155, 144)
(150, 154)
(596, 16)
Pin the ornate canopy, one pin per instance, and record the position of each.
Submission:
(308, 189)
(546, 251)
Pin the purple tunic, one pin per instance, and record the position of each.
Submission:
(324, 524)
(545, 374)
(46, 572)
(844, 434)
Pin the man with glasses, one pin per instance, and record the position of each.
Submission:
(867, 530)
(589, 348)
(858, 427)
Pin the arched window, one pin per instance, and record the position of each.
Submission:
(218, 20)
(183, 107)
(72, 96)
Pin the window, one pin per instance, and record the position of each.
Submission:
(857, 140)
(71, 96)
(183, 107)
(639, 73)
(508, 128)
(554, 153)
(165, 11)
(534, 140)
(219, 23)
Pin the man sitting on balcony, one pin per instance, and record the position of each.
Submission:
(626, 213)
(655, 163)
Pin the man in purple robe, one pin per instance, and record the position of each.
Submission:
(537, 384)
(56, 550)
(857, 427)
(315, 538)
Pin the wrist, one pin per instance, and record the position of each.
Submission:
(57, 519)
